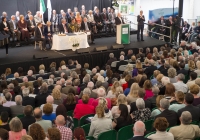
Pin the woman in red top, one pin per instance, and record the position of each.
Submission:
(83, 109)
(148, 89)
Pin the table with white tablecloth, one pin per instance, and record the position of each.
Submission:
(66, 42)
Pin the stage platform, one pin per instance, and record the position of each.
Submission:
(23, 56)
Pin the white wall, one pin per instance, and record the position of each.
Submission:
(196, 8)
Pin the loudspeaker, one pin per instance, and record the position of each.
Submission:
(37, 58)
(114, 47)
(85, 50)
(103, 48)
(180, 8)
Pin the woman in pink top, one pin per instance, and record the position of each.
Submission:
(148, 89)
(16, 128)
(78, 18)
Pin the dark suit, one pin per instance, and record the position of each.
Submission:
(46, 31)
(7, 109)
(60, 19)
(2, 26)
(40, 99)
(122, 62)
(98, 20)
(38, 37)
(165, 72)
(140, 26)
(55, 20)
(183, 71)
(149, 71)
(30, 78)
(134, 108)
(171, 116)
(29, 24)
(26, 121)
(62, 30)
(105, 19)
(152, 100)
(139, 138)
(28, 101)
(44, 76)
(195, 112)
(12, 28)
(118, 21)
(83, 27)
(109, 62)
(19, 80)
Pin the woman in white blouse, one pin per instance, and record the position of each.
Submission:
(91, 20)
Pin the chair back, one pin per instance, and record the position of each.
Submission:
(70, 113)
(125, 133)
(108, 135)
(90, 138)
(82, 119)
(86, 128)
(114, 63)
(76, 122)
(20, 116)
(148, 125)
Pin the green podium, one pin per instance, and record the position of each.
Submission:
(123, 34)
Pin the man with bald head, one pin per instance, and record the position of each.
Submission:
(66, 133)
(50, 100)
(138, 130)
(118, 19)
(45, 124)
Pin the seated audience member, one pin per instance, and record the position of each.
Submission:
(195, 111)
(179, 85)
(179, 97)
(182, 70)
(169, 92)
(39, 36)
(120, 100)
(129, 90)
(100, 124)
(4, 119)
(8, 73)
(186, 130)
(124, 118)
(2, 108)
(22, 25)
(8, 97)
(26, 137)
(31, 24)
(193, 76)
(18, 108)
(66, 133)
(36, 132)
(28, 119)
(85, 26)
(45, 124)
(133, 94)
(5, 27)
(29, 76)
(112, 59)
(142, 113)
(26, 99)
(161, 124)
(57, 96)
(171, 75)
(138, 131)
(157, 111)
(70, 102)
(61, 110)
(41, 98)
(54, 134)
(48, 112)
(79, 133)
(4, 134)
(121, 62)
(38, 17)
(16, 76)
(105, 20)
(137, 68)
(16, 129)
(148, 89)
(170, 115)
(88, 92)
(154, 80)
(83, 109)
(149, 70)
(90, 85)
(113, 93)
(98, 20)
(152, 99)
(194, 90)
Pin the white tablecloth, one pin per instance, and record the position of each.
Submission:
(66, 42)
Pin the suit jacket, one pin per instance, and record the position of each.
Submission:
(17, 110)
(184, 132)
(44, 76)
(149, 71)
(60, 20)
(139, 138)
(104, 16)
(122, 62)
(12, 25)
(2, 26)
(195, 112)
(28, 101)
(62, 30)
(37, 33)
(118, 21)
(83, 26)
(46, 31)
(29, 24)
(140, 20)
(56, 20)
(40, 99)
(97, 18)
(26, 121)
(7, 109)
(30, 78)
(110, 16)
(171, 116)
(152, 100)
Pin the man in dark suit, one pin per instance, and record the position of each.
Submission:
(85, 26)
(16, 76)
(121, 62)
(27, 15)
(171, 116)
(186, 28)
(64, 27)
(98, 20)
(195, 111)
(42, 74)
(70, 17)
(31, 24)
(112, 59)
(165, 70)
(149, 70)
(2, 108)
(28, 119)
(139, 130)
(141, 94)
(140, 20)
(105, 19)
(26, 99)
(5, 27)
(54, 19)
(63, 16)
(29, 76)
(182, 69)
(39, 35)
(119, 20)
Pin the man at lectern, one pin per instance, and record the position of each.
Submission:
(140, 20)
(119, 20)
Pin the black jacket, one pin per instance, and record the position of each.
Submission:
(7, 109)
(152, 100)
(134, 108)
(28, 101)
(83, 26)
(183, 71)
(122, 62)
(149, 71)
(2, 26)
(62, 30)
(97, 18)
(29, 24)
(30, 78)
(37, 33)
(40, 99)
(26, 121)
(46, 31)
(118, 21)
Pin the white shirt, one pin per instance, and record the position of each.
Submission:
(5, 24)
(9, 103)
(90, 18)
(14, 25)
(180, 86)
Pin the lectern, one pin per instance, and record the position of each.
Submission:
(123, 34)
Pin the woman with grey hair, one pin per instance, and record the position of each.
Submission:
(142, 114)
(172, 74)
(16, 128)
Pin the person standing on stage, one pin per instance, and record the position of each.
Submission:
(140, 20)
(118, 19)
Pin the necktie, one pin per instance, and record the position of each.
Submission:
(14, 25)
(86, 26)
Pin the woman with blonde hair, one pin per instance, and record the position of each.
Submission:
(120, 100)
(133, 94)
(57, 96)
(78, 19)
(138, 66)
(172, 74)
(158, 78)
(8, 73)
(191, 66)
(112, 93)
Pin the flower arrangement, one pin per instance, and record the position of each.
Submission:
(74, 41)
